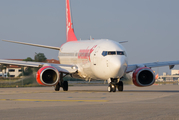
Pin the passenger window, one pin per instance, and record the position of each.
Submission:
(104, 53)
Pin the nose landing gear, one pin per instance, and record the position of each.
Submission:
(111, 88)
(113, 84)
(120, 86)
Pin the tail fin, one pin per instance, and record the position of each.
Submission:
(156, 77)
(70, 35)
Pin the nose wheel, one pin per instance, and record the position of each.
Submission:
(112, 86)
(120, 86)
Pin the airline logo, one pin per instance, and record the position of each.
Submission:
(85, 53)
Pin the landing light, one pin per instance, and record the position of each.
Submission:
(74, 67)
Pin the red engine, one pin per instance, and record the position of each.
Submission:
(48, 76)
(143, 77)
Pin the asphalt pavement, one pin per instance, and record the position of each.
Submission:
(90, 103)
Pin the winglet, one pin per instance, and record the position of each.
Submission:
(70, 35)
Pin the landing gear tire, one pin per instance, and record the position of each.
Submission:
(112, 88)
(109, 88)
(57, 87)
(120, 86)
(65, 86)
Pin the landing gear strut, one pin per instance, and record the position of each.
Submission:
(62, 83)
(113, 84)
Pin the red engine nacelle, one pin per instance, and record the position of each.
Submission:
(143, 77)
(48, 76)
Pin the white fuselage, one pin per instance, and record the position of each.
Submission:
(95, 59)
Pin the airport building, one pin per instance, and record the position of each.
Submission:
(166, 77)
(15, 71)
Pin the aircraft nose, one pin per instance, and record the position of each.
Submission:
(117, 66)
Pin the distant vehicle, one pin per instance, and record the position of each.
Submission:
(3, 74)
(100, 59)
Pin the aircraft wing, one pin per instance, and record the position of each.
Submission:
(31, 44)
(171, 64)
(60, 67)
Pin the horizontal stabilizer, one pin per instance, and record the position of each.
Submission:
(37, 45)
(123, 41)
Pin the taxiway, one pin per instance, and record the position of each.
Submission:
(90, 103)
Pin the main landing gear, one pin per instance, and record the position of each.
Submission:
(62, 83)
(115, 84)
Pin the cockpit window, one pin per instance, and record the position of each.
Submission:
(111, 52)
(104, 53)
(120, 53)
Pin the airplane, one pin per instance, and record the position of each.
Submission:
(100, 59)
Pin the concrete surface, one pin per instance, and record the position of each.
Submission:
(90, 103)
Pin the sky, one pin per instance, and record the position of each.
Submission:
(151, 27)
